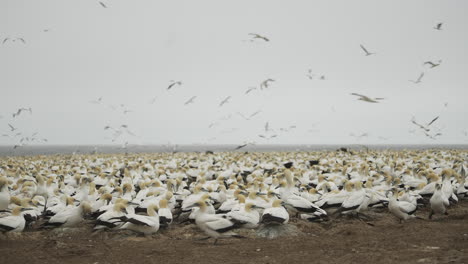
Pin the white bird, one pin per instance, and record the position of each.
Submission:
(365, 50)
(250, 90)
(266, 83)
(109, 219)
(214, 225)
(14, 222)
(174, 83)
(366, 98)
(419, 78)
(224, 101)
(257, 36)
(438, 202)
(246, 216)
(165, 214)
(276, 214)
(142, 224)
(403, 210)
(189, 101)
(432, 64)
(4, 193)
(69, 217)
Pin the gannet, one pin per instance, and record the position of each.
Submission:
(214, 225)
(276, 214)
(142, 224)
(438, 202)
(14, 222)
(70, 217)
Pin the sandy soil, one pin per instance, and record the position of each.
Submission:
(345, 240)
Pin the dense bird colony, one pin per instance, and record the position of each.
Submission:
(224, 192)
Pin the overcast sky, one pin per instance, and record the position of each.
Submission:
(77, 51)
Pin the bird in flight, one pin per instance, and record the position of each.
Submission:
(367, 99)
(224, 101)
(258, 36)
(419, 78)
(12, 127)
(153, 100)
(241, 146)
(266, 83)
(21, 110)
(433, 120)
(413, 120)
(366, 51)
(268, 137)
(250, 89)
(438, 26)
(309, 74)
(432, 64)
(189, 101)
(174, 83)
(358, 137)
(98, 101)
(252, 115)
(14, 40)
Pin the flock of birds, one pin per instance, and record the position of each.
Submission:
(20, 137)
(123, 130)
(227, 191)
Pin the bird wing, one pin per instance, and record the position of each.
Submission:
(379, 98)
(103, 5)
(22, 40)
(433, 120)
(8, 223)
(420, 76)
(407, 207)
(5, 40)
(242, 116)
(364, 49)
(12, 128)
(218, 224)
(254, 114)
(171, 85)
(140, 220)
(360, 95)
(429, 62)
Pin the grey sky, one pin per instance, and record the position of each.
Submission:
(128, 53)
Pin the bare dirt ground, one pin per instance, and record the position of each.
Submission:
(346, 240)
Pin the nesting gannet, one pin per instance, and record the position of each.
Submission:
(403, 210)
(14, 222)
(276, 214)
(165, 214)
(4, 193)
(214, 225)
(438, 202)
(69, 217)
(142, 224)
(367, 53)
(246, 216)
(109, 219)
